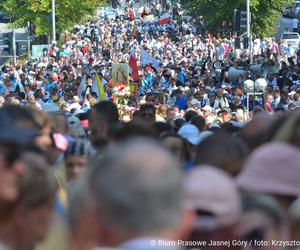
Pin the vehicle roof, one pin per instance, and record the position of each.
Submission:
(290, 33)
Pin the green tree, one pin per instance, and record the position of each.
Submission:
(38, 12)
(265, 13)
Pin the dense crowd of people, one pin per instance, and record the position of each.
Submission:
(199, 151)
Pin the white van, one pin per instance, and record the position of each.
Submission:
(291, 38)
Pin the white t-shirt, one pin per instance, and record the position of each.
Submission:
(220, 52)
(290, 52)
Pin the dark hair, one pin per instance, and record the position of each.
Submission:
(185, 147)
(222, 150)
(199, 122)
(38, 94)
(107, 111)
(147, 106)
(21, 95)
(146, 115)
(259, 130)
(189, 115)
(161, 127)
(124, 131)
(177, 124)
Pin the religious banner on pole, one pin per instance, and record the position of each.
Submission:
(120, 73)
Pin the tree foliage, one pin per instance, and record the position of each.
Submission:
(265, 13)
(38, 12)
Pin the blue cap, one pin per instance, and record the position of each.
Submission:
(9, 133)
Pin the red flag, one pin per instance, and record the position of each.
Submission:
(134, 71)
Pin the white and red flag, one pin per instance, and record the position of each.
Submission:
(133, 68)
(164, 19)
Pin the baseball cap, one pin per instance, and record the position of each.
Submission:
(9, 133)
(273, 168)
(190, 133)
(212, 190)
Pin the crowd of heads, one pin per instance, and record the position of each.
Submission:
(186, 156)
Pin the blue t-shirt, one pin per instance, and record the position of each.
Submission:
(2, 89)
(50, 85)
(181, 102)
(180, 78)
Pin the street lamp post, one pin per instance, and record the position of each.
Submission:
(248, 30)
(14, 47)
(28, 39)
(53, 21)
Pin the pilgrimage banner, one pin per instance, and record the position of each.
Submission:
(120, 73)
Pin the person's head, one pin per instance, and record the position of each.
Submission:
(22, 116)
(76, 158)
(262, 220)
(289, 131)
(212, 97)
(162, 110)
(171, 113)
(103, 115)
(146, 198)
(222, 150)
(256, 132)
(44, 123)
(191, 133)
(212, 194)
(13, 141)
(207, 111)
(189, 115)
(161, 127)
(263, 173)
(60, 124)
(89, 81)
(225, 115)
(199, 122)
(35, 206)
(11, 168)
(219, 93)
(177, 145)
(129, 130)
(276, 93)
(147, 112)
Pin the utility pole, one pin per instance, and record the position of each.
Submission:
(53, 21)
(28, 40)
(248, 30)
(14, 46)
